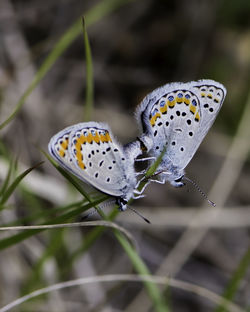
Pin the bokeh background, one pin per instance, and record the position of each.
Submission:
(136, 46)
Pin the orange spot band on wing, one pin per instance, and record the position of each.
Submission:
(105, 138)
(64, 144)
(78, 146)
(96, 137)
(90, 138)
(108, 138)
(164, 108)
(154, 118)
(62, 153)
(81, 165)
(179, 100)
(192, 109)
(197, 117)
(171, 103)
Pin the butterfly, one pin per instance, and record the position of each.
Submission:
(90, 152)
(177, 116)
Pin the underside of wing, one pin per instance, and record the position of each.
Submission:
(59, 148)
(98, 159)
(178, 116)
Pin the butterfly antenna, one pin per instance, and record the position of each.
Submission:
(140, 215)
(200, 190)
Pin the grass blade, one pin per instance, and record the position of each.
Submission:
(89, 98)
(93, 15)
(7, 179)
(15, 239)
(234, 283)
(13, 186)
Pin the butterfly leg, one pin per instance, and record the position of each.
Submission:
(139, 196)
(158, 181)
(142, 190)
(145, 159)
(140, 180)
(141, 172)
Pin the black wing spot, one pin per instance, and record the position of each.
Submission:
(110, 167)
(89, 155)
(171, 117)
(157, 147)
(155, 133)
(108, 180)
(206, 105)
(178, 113)
(173, 143)
(96, 175)
(101, 163)
(183, 114)
(211, 109)
(93, 152)
(182, 149)
(108, 149)
(159, 124)
(115, 150)
(103, 153)
(189, 122)
(90, 164)
(167, 123)
(190, 133)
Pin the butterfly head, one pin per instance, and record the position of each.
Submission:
(122, 203)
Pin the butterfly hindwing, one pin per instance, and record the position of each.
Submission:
(178, 116)
(98, 159)
(59, 148)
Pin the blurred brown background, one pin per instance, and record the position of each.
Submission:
(138, 47)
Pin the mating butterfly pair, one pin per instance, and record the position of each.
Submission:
(176, 116)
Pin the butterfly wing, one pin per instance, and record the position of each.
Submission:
(94, 156)
(178, 116)
(59, 148)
